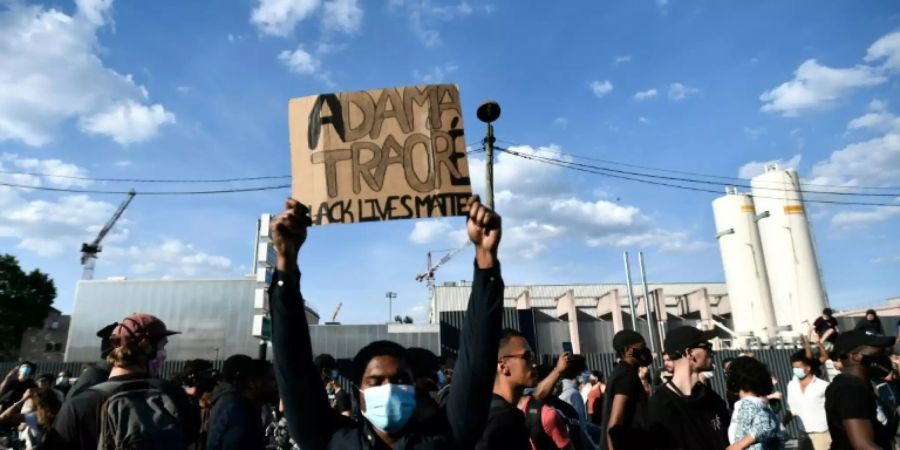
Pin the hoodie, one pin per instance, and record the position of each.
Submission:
(234, 422)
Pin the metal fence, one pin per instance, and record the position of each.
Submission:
(169, 369)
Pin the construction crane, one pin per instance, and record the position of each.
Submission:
(428, 275)
(336, 311)
(89, 251)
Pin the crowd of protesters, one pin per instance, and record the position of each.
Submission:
(494, 394)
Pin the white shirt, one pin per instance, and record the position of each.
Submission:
(809, 405)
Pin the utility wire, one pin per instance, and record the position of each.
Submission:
(716, 183)
(96, 191)
(721, 177)
(605, 172)
(146, 180)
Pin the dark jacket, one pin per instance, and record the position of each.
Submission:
(870, 326)
(312, 422)
(234, 422)
(91, 376)
(696, 422)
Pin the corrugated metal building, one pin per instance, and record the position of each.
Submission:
(214, 316)
(343, 341)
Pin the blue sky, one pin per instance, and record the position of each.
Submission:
(199, 89)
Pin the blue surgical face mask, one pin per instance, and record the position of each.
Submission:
(389, 406)
(799, 373)
(24, 372)
(334, 374)
(441, 378)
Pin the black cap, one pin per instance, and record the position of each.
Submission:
(625, 338)
(851, 340)
(682, 338)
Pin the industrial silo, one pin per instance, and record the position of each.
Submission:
(798, 295)
(744, 265)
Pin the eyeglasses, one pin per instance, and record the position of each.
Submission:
(527, 356)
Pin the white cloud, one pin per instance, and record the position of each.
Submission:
(643, 119)
(429, 231)
(858, 219)
(678, 91)
(561, 122)
(128, 122)
(815, 86)
(754, 168)
(62, 170)
(886, 48)
(621, 59)
(184, 89)
(299, 61)
(755, 132)
(124, 163)
(645, 95)
(52, 73)
(425, 16)
(438, 74)
(601, 88)
(279, 17)
(170, 258)
(342, 15)
(877, 119)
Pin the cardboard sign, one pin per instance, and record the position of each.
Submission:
(383, 154)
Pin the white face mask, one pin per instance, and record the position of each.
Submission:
(799, 373)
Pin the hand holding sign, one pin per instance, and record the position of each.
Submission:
(485, 230)
(288, 231)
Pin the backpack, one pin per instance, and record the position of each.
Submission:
(139, 415)
(539, 438)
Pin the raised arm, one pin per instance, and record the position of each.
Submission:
(476, 365)
(311, 420)
(545, 387)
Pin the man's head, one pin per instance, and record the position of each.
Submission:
(668, 364)
(871, 315)
(631, 347)
(576, 366)
(827, 312)
(327, 367)
(253, 378)
(138, 344)
(26, 371)
(387, 395)
(62, 378)
(857, 349)
(689, 348)
(105, 344)
(198, 377)
(424, 365)
(516, 361)
(597, 377)
(801, 365)
(726, 365)
(44, 381)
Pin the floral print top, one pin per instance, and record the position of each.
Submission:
(752, 416)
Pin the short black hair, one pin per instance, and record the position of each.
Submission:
(374, 349)
(506, 335)
(325, 362)
(827, 312)
(597, 374)
(241, 368)
(800, 356)
(45, 376)
(749, 374)
(577, 366)
(423, 363)
(726, 362)
(872, 312)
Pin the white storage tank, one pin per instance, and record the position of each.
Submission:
(798, 294)
(744, 265)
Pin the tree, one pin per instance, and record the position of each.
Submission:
(25, 301)
(398, 319)
(407, 319)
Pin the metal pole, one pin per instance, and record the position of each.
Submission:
(489, 166)
(390, 296)
(651, 315)
(630, 293)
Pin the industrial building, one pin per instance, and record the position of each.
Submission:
(215, 317)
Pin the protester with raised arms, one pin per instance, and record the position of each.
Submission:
(384, 380)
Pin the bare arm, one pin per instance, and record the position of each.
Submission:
(747, 441)
(13, 413)
(545, 388)
(860, 434)
(616, 416)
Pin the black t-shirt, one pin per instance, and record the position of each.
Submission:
(697, 422)
(77, 425)
(848, 397)
(505, 428)
(624, 380)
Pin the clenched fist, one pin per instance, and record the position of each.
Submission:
(485, 230)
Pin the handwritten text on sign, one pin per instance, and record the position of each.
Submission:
(383, 154)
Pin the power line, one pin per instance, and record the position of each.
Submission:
(715, 183)
(705, 175)
(605, 172)
(97, 191)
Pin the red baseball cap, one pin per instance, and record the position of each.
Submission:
(140, 326)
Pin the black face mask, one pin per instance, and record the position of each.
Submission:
(879, 365)
(643, 356)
